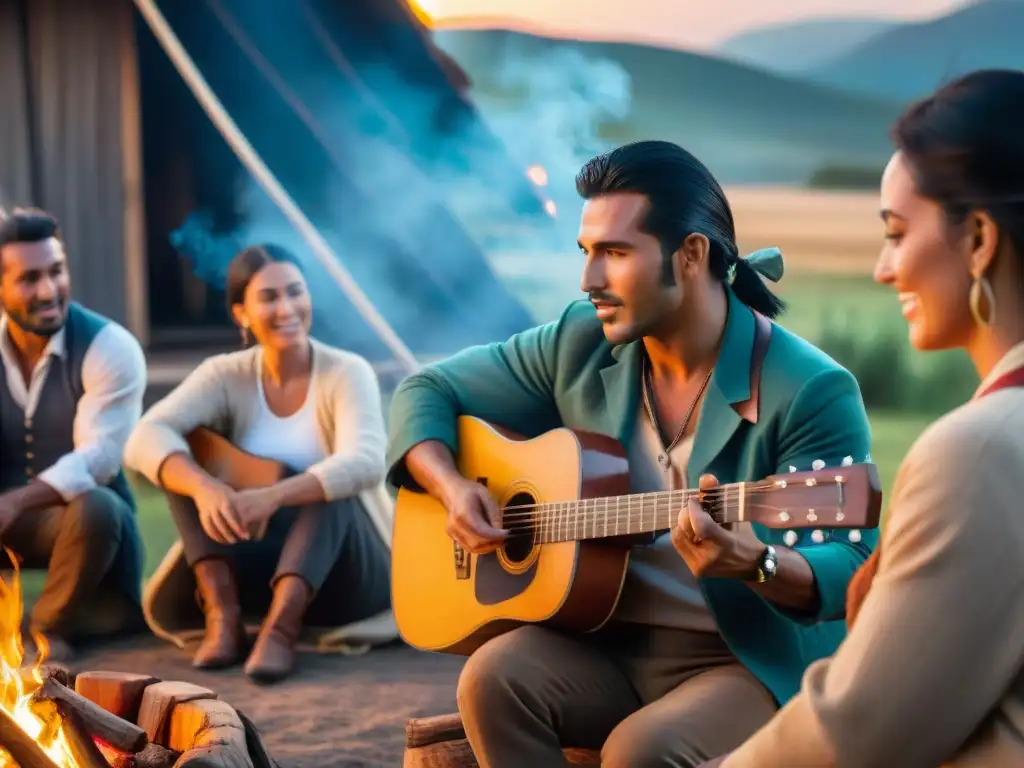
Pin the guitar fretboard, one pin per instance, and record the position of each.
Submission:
(621, 515)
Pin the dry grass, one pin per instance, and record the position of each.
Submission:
(817, 231)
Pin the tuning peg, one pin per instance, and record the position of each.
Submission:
(817, 536)
(854, 536)
(790, 538)
(792, 469)
(847, 461)
(817, 465)
(867, 458)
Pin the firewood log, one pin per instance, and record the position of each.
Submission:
(115, 731)
(80, 744)
(25, 751)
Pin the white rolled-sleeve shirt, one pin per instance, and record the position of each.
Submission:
(113, 385)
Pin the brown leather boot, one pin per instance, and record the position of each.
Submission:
(224, 642)
(273, 655)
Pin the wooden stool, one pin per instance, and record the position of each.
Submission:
(440, 742)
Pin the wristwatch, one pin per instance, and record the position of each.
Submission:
(767, 565)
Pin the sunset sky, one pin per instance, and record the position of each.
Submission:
(693, 24)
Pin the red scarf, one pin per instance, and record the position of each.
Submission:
(861, 581)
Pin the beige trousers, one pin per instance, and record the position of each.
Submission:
(643, 696)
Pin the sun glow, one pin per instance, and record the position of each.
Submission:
(423, 11)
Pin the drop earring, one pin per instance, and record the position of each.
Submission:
(981, 293)
(245, 335)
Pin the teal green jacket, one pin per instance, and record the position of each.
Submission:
(566, 373)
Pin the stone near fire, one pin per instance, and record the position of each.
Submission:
(159, 699)
(213, 757)
(117, 692)
(208, 732)
(153, 756)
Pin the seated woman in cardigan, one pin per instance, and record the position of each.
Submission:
(312, 408)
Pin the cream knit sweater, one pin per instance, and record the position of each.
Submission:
(222, 395)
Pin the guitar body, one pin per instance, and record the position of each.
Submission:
(448, 600)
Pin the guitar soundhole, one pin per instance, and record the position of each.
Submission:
(518, 520)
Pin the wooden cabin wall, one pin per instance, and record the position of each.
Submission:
(69, 140)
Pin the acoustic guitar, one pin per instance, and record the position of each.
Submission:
(571, 520)
(231, 465)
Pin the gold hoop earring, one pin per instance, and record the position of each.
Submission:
(981, 290)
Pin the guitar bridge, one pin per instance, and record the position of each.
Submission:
(462, 561)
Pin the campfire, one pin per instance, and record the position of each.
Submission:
(52, 719)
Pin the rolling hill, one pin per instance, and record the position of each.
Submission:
(748, 125)
(798, 47)
(910, 60)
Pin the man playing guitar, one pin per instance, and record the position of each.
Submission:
(673, 356)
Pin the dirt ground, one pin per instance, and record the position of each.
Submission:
(335, 712)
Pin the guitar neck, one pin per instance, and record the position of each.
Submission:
(636, 513)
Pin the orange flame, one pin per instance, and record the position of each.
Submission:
(40, 720)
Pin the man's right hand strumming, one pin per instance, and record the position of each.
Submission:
(474, 518)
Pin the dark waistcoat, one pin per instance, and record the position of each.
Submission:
(29, 446)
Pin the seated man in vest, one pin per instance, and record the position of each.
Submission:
(71, 387)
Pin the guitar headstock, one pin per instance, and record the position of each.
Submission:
(847, 496)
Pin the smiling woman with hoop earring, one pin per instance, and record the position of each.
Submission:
(308, 406)
(932, 671)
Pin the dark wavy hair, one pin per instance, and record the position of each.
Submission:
(964, 146)
(685, 199)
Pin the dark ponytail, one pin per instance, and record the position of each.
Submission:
(684, 199)
(749, 288)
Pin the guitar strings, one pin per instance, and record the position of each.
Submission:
(588, 506)
(565, 526)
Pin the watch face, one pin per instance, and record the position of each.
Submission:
(769, 564)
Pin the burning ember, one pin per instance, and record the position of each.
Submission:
(38, 718)
(537, 175)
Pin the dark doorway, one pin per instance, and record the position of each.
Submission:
(188, 167)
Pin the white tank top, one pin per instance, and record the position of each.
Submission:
(293, 440)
